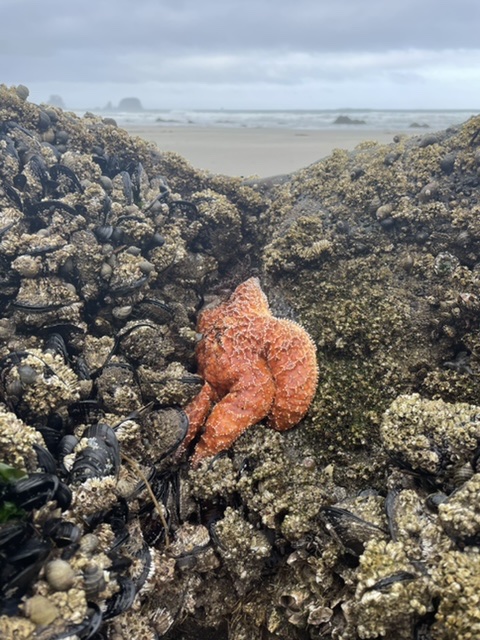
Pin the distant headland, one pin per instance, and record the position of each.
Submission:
(130, 104)
(125, 104)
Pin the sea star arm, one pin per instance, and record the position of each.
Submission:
(293, 363)
(248, 402)
(197, 412)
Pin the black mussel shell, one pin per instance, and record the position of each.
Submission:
(384, 584)
(103, 232)
(55, 343)
(122, 600)
(14, 196)
(90, 463)
(20, 568)
(65, 447)
(46, 461)
(137, 172)
(12, 535)
(59, 171)
(145, 555)
(62, 532)
(85, 629)
(49, 206)
(350, 530)
(85, 411)
(127, 186)
(52, 437)
(81, 368)
(99, 459)
(107, 436)
(38, 489)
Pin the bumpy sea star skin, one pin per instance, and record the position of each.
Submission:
(254, 366)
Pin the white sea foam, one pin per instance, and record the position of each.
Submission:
(306, 120)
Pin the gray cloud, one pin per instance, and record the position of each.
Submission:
(234, 41)
(180, 26)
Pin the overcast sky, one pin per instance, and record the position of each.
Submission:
(310, 54)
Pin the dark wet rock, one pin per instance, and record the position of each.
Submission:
(418, 125)
(348, 120)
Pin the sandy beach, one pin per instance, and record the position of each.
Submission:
(262, 152)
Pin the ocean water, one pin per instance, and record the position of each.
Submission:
(300, 120)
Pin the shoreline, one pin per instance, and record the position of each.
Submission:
(246, 152)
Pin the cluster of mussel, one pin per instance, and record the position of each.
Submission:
(407, 556)
(90, 384)
(78, 538)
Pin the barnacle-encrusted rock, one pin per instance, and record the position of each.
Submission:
(174, 385)
(430, 436)
(131, 625)
(391, 593)
(460, 513)
(242, 548)
(371, 317)
(303, 244)
(117, 389)
(219, 224)
(14, 627)
(97, 350)
(16, 440)
(47, 384)
(40, 299)
(150, 344)
(456, 586)
(94, 495)
(290, 494)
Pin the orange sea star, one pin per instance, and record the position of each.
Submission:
(254, 366)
